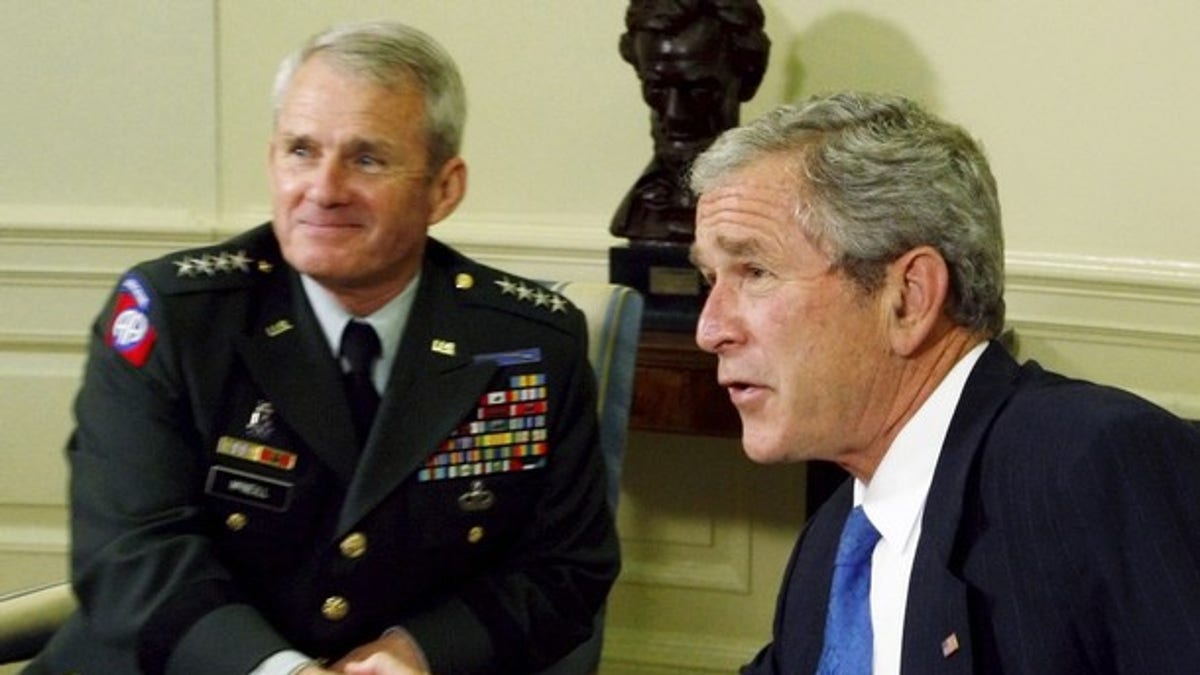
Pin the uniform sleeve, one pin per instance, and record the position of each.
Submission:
(142, 567)
(541, 600)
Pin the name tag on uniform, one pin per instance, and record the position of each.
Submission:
(248, 488)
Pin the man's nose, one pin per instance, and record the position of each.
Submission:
(714, 327)
(327, 183)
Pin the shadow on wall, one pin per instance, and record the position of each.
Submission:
(852, 50)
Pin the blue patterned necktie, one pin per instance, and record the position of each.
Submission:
(848, 637)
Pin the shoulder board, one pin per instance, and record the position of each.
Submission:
(479, 284)
(235, 263)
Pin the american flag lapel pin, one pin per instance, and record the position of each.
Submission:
(950, 645)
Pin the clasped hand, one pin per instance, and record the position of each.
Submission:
(393, 654)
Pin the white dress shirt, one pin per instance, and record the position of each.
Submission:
(894, 501)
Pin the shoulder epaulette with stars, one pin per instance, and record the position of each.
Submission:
(535, 294)
(231, 264)
(502, 291)
(210, 264)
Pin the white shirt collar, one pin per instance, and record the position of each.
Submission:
(388, 321)
(895, 498)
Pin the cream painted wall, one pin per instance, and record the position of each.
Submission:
(135, 127)
(1087, 109)
(107, 106)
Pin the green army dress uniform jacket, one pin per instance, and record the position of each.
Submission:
(221, 510)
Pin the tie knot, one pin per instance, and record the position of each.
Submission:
(360, 346)
(859, 537)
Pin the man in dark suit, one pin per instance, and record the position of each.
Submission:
(1001, 518)
(235, 510)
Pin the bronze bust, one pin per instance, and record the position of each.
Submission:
(698, 61)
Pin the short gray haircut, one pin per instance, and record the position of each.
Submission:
(393, 55)
(876, 177)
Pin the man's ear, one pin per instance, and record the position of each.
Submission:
(917, 286)
(447, 189)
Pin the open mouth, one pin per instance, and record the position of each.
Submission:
(741, 392)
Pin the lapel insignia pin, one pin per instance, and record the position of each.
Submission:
(478, 498)
(464, 281)
(444, 347)
(950, 645)
(279, 328)
(262, 421)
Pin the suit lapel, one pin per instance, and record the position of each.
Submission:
(434, 382)
(288, 357)
(937, 623)
(810, 581)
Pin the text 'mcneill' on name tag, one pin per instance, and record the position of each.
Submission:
(248, 488)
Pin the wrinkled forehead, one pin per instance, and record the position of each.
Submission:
(764, 199)
(770, 185)
(732, 219)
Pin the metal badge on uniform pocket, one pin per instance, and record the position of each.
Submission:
(478, 498)
(262, 421)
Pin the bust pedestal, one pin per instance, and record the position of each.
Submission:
(670, 286)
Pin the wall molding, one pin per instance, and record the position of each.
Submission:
(661, 652)
(1076, 294)
(53, 342)
(33, 529)
(529, 239)
(92, 224)
(1173, 278)
(1056, 293)
(723, 567)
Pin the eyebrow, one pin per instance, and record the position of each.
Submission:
(355, 145)
(735, 247)
(290, 138)
(739, 247)
(370, 145)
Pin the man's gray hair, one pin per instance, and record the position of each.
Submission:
(876, 177)
(394, 55)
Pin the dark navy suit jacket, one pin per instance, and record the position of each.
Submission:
(1061, 534)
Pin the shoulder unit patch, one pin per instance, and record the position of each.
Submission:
(130, 332)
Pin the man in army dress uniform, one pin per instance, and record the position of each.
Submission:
(229, 516)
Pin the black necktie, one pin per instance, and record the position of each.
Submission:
(360, 348)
